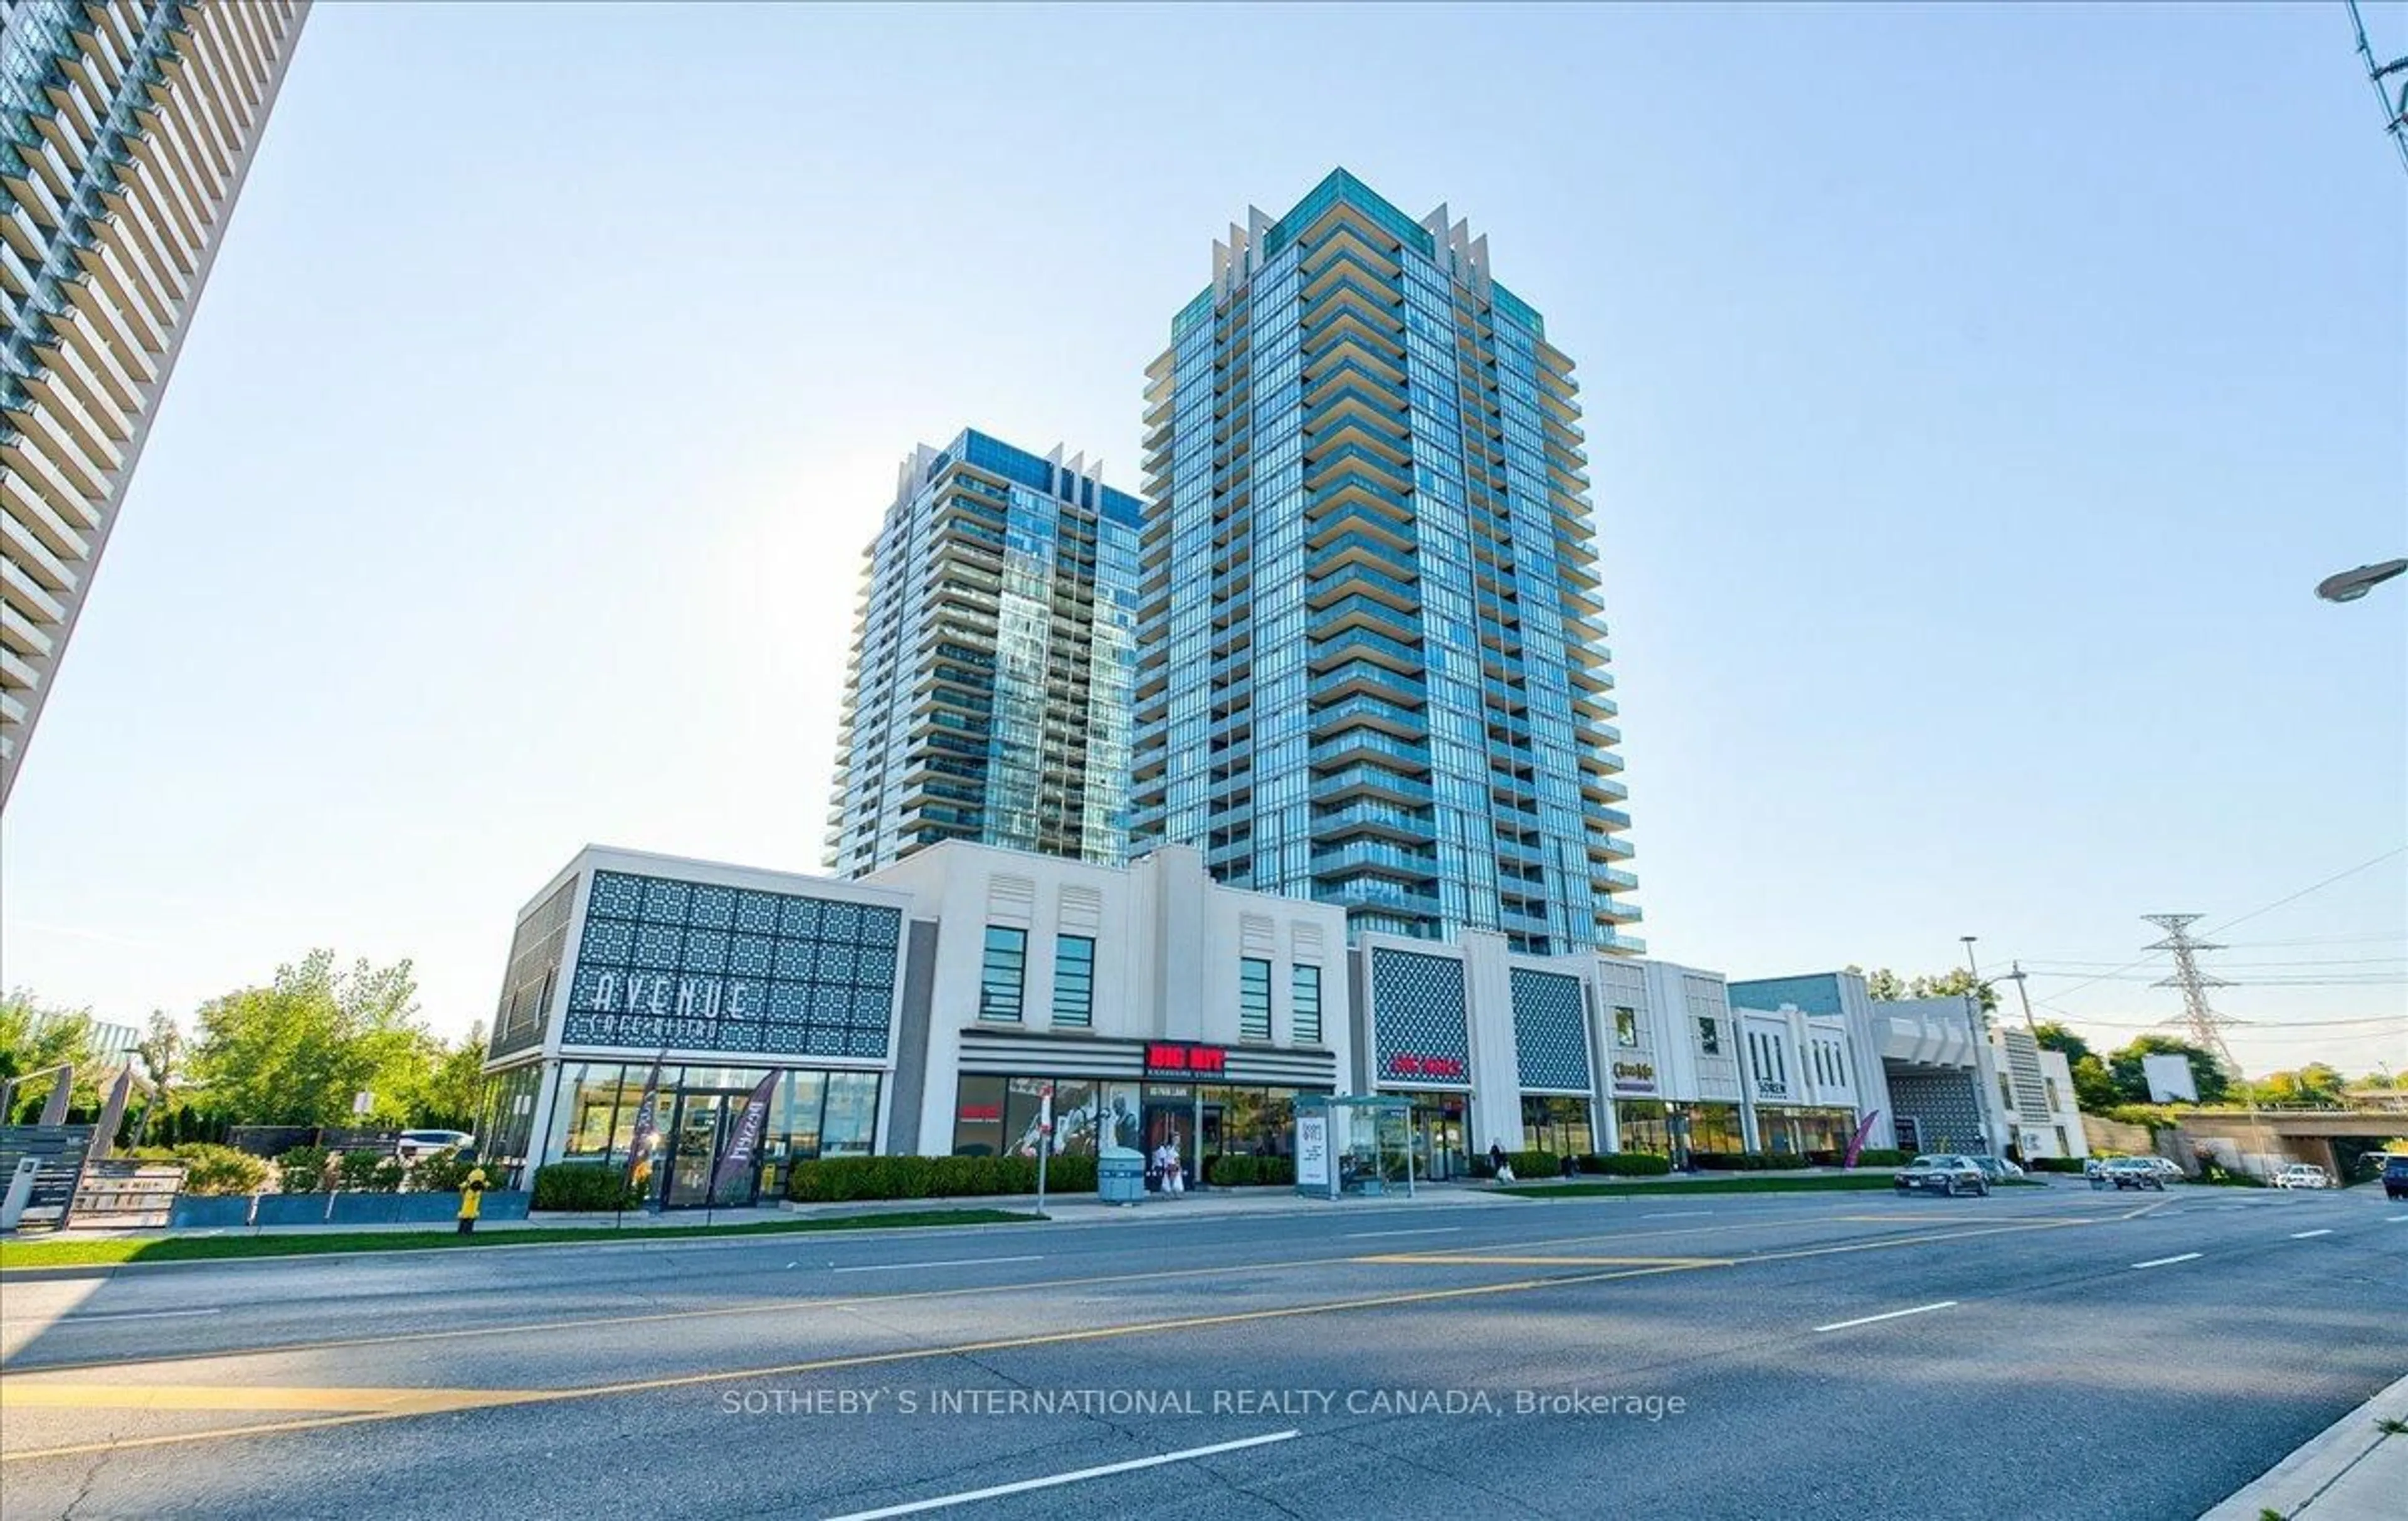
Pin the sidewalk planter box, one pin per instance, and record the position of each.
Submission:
(291, 1210)
(209, 1211)
(392, 1209)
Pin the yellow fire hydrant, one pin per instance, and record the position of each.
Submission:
(472, 1196)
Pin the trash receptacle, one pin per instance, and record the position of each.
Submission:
(1120, 1175)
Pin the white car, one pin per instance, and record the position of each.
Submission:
(2173, 1170)
(2301, 1175)
(415, 1146)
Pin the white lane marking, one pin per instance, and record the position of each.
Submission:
(1674, 1215)
(2394, 1219)
(108, 1315)
(1027, 1484)
(2167, 1262)
(1866, 1320)
(2303, 1235)
(948, 1262)
(1425, 1230)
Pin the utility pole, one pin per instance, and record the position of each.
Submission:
(2016, 977)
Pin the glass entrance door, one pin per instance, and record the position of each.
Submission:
(1438, 1139)
(696, 1133)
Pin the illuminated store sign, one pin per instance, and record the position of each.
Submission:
(1170, 1058)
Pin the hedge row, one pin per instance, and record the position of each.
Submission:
(1249, 1171)
(591, 1186)
(839, 1179)
(1626, 1164)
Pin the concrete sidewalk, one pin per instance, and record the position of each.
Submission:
(2354, 1471)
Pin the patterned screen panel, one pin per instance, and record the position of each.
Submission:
(1417, 1004)
(1550, 1031)
(534, 973)
(706, 968)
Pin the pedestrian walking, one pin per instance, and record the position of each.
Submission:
(1496, 1163)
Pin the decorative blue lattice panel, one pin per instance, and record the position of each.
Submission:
(1550, 1031)
(703, 966)
(1421, 1039)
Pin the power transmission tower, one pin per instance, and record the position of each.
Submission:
(2206, 1025)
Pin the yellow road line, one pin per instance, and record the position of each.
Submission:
(9, 1389)
(225, 1397)
(869, 1360)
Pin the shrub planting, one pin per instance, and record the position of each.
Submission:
(837, 1180)
(584, 1185)
(1249, 1171)
(368, 1172)
(2053, 1163)
(303, 1170)
(1626, 1164)
(221, 1169)
(442, 1172)
(1883, 1156)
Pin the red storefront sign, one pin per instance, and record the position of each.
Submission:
(1408, 1064)
(1171, 1059)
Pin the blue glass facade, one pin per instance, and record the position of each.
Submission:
(1372, 667)
(988, 697)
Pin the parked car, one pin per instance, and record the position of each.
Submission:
(2395, 1175)
(2128, 1172)
(1997, 1169)
(1942, 1173)
(416, 1145)
(2301, 1175)
(2167, 1168)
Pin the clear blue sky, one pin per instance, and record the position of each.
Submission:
(1974, 396)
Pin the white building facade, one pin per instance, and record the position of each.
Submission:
(932, 1007)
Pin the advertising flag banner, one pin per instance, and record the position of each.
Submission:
(648, 1132)
(736, 1166)
(1864, 1128)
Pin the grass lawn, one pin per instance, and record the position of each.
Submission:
(69, 1252)
(1736, 1184)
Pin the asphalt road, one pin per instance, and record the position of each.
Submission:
(2053, 1352)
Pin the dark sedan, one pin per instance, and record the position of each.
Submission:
(1941, 1174)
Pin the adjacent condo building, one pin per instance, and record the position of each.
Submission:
(125, 131)
(1372, 667)
(988, 694)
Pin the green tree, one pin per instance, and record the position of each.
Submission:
(34, 1035)
(455, 1084)
(2215, 1084)
(2054, 1036)
(2315, 1083)
(2094, 1087)
(1887, 986)
(160, 1053)
(294, 1052)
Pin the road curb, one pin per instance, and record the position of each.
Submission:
(2293, 1486)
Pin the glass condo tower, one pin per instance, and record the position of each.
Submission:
(988, 694)
(126, 128)
(1372, 665)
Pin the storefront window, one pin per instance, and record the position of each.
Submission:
(591, 1095)
(1715, 1127)
(1626, 1027)
(1560, 1125)
(850, 1125)
(978, 1117)
(508, 1119)
(1643, 1127)
(1024, 1102)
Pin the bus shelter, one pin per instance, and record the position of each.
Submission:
(1359, 1145)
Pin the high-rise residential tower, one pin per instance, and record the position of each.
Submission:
(1373, 668)
(126, 130)
(988, 694)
